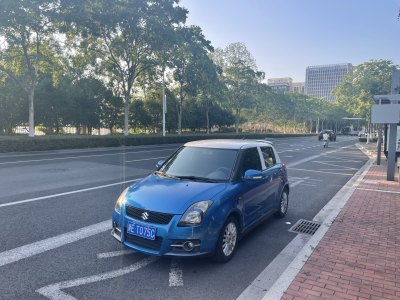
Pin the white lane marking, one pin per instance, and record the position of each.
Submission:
(342, 159)
(66, 193)
(82, 156)
(308, 184)
(379, 191)
(16, 254)
(340, 167)
(152, 158)
(53, 291)
(175, 273)
(298, 182)
(316, 156)
(316, 171)
(86, 150)
(115, 253)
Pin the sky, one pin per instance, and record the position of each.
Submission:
(286, 36)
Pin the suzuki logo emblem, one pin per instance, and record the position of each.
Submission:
(145, 215)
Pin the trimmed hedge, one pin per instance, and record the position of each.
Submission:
(41, 143)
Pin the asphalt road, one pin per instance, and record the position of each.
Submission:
(55, 211)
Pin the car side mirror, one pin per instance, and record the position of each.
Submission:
(160, 163)
(252, 175)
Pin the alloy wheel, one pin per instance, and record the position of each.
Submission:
(229, 239)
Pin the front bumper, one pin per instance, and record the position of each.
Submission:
(170, 239)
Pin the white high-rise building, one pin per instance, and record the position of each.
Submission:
(322, 80)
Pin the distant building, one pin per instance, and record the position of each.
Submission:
(322, 80)
(280, 85)
(285, 84)
(298, 87)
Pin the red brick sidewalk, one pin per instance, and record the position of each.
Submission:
(359, 256)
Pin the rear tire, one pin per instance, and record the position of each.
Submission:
(283, 205)
(227, 241)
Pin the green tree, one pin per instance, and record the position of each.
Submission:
(54, 104)
(356, 90)
(189, 58)
(212, 91)
(26, 32)
(111, 111)
(240, 77)
(12, 106)
(124, 36)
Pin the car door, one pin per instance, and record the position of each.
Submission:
(253, 192)
(271, 174)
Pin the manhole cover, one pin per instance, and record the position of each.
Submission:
(304, 226)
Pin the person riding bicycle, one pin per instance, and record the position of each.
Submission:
(325, 138)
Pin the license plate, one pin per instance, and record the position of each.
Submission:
(147, 232)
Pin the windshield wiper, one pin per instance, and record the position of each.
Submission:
(159, 173)
(197, 178)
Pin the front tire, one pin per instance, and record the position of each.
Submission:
(283, 204)
(227, 241)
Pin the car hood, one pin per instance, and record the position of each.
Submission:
(169, 195)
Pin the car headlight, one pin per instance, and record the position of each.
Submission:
(121, 200)
(195, 213)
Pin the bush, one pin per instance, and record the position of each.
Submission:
(41, 143)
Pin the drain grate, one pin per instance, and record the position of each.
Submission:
(304, 226)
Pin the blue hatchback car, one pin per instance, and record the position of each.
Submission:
(202, 199)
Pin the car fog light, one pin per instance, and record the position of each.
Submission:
(188, 246)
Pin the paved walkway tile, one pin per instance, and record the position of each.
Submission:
(359, 257)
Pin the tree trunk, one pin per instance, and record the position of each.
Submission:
(31, 95)
(208, 120)
(126, 115)
(237, 120)
(317, 126)
(180, 116)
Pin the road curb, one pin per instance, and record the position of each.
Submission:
(327, 216)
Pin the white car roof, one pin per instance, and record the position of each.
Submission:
(228, 143)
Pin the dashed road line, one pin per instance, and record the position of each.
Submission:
(66, 193)
(317, 171)
(54, 291)
(175, 273)
(17, 254)
(297, 182)
(115, 253)
(82, 156)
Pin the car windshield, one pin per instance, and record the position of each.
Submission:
(204, 164)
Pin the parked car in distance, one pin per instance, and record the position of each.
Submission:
(203, 199)
(332, 135)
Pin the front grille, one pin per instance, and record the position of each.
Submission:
(304, 226)
(144, 243)
(152, 217)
